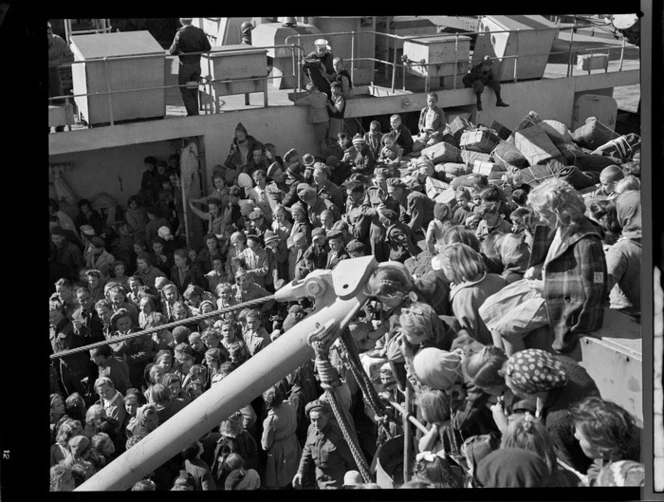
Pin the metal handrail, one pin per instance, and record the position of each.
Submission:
(297, 50)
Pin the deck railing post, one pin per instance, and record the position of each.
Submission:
(108, 90)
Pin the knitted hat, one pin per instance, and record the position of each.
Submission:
(306, 192)
(437, 368)
(273, 170)
(358, 139)
(535, 370)
(622, 473)
(298, 206)
(270, 236)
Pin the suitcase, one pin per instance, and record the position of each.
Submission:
(528, 121)
(487, 168)
(535, 145)
(508, 155)
(468, 156)
(593, 134)
(458, 126)
(479, 140)
(571, 152)
(557, 131)
(441, 152)
(446, 197)
(435, 187)
(502, 131)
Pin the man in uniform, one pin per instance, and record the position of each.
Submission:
(326, 188)
(325, 457)
(319, 65)
(481, 75)
(187, 39)
(377, 198)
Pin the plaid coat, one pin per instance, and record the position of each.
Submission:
(575, 282)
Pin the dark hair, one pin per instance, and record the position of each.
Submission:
(235, 191)
(191, 451)
(607, 426)
(607, 209)
(143, 255)
(150, 160)
(102, 350)
(520, 197)
(160, 393)
(483, 367)
(182, 253)
(273, 396)
(215, 201)
(491, 194)
(83, 202)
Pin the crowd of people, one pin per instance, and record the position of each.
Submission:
(477, 308)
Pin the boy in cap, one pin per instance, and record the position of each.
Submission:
(481, 75)
(315, 256)
(335, 241)
(297, 248)
(242, 148)
(277, 254)
(317, 115)
(361, 160)
(97, 257)
(355, 249)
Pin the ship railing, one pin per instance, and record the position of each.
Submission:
(296, 46)
(396, 65)
(205, 83)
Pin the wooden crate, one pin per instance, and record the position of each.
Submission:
(442, 56)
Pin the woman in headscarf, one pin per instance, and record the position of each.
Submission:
(553, 384)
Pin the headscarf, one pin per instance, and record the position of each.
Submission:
(622, 473)
(628, 210)
(535, 370)
(439, 369)
(512, 468)
(423, 325)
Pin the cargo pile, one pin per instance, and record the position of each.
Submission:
(537, 149)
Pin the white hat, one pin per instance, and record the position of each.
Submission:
(244, 181)
(165, 233)
(321, 42)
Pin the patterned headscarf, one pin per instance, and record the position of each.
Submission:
(535, 370)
